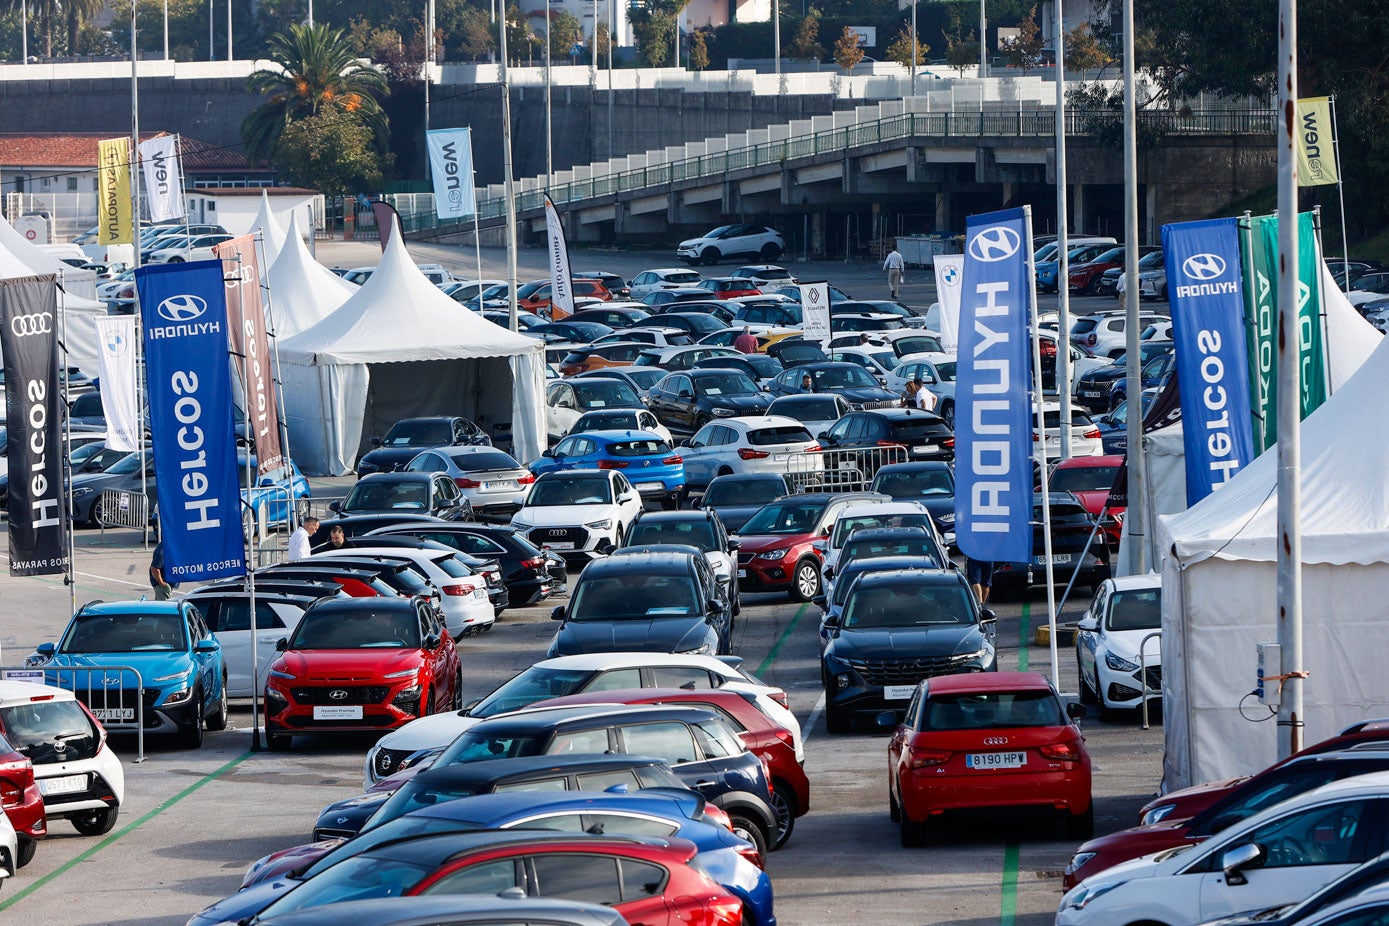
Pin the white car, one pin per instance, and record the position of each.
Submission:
(465, 290)
(1160, 330)
(754, 444)
(737, 240)
(436, 274)
(765, 275)
(938, 376)
(818, 411)
(656, 337)
(1125, 612)
(228, 616)
(567, 400)
(1106, 335)
(622, 419)
(578, 512)
(878, 361)
(651, 281)
(462, 592)
(872, 515)
(82, 782)
(1278, 856)
(1084, 434)
(199, 248)
(567, 675)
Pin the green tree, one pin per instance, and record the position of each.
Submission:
(805, 45)
(905, 47)
(699, 49)
(1084, 51)
(847, 50)
(469, 31)
(565, 32)
(521, 40)
(961, 51)
(1025, 51)
(331, 154)
(314, 71)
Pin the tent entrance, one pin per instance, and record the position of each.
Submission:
(479, 389)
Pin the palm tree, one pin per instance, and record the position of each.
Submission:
(79, 12)
(315, 71)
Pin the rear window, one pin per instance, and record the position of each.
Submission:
(912, 431)
(35, 728)
(816, 408)
(638, 448)
(846, 526)
(690, 277)
(484, 459)
(1052, 419)
(1083, 326)
(783, 434)
(758, 492)
(991, 710)
(1083, 478)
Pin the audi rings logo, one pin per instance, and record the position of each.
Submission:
(950, 275)
(38, 323)
(995, 741)
(1203, 266)
(338, 694)
(994, 244)
(557, 533)
(183, 308)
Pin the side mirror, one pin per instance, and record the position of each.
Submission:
(734, 544)
(686, 394)
(683, 443)
(886, 720)
(281, 645)
(1075, 710)
(432, 641)
(988, 616)
(1088, 623)
(818, 546)
(821, 602)
(832, 620)
(376, 442)
(1236, 860)
(712, 608)
(207, 646)
(557, 614)
(47, 649)
(547, 453)
(335, 507)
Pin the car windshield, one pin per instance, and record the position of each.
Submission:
(606, 421)
(908, 604)
(484, 460)
(418, 434)
(638, 447)
(388, 495)
(1083, 478)
(743, 492)
(570, 490)
(843, 377)
(785, 518)
(605, 394)
(634, 597)
(991, 710)
(124, 633)
(479, 746)
(359, 878)
(873, 549)
(529, 289)
(682, 276)
(645, 379)
(357, 628)
(886, 359)
(126, 466)
(532, 685)
(696, 533)
(1150, 261)
(1140, 609)
(37, 728)
(414, 796)
(846, 526)
(807, 408)
(915, 484)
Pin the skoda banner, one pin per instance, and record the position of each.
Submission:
(33, 419)
(815, 313)
(451, 169)
(949, 269)
(993, 416)
(184, 312)
(1203, 282)
(246, 321)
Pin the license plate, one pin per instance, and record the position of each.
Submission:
(649, 487)
(926, 449)
(1091, 394)
(338, 712)
(898, 692)
(68, 784)
(24, 675)
(560, 546)
(1056, 559)
(742, 573)
(987, 760)
(108, 714)
(499, 485)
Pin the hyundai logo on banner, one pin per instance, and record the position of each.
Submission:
(993, 429)
(183, 311)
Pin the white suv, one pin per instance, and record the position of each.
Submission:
(651, 281)
(1105, 335)
(737, 240)
(578, 512)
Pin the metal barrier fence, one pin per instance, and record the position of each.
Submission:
(121, 508)
(850, 470)
(103, 688)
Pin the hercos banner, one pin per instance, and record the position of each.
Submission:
(1203, 283)
(251, 345)
(993, 422)
(38, 524)
(184, 311)
(451, 168)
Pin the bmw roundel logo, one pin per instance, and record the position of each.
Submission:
(183, 308)
(1203, 266)
(950, 275)
(994, 244)
(338, 694)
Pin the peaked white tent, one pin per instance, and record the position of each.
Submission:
(76, 281)
(78, 315)
(399, 348)
(303, 292)
(274, 232)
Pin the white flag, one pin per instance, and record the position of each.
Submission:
(159, 158)
(116, 364)
(815, 312)
(561, 288)
(950, 270)
(451, 167)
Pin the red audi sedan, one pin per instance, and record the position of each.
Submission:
(361, 664)
(987, 740)
(21, 800)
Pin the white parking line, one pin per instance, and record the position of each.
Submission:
(808, 727)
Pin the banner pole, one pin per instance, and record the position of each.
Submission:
(1063, 270)
(1136, 561)
(1341, 197)
(1251, 331)
(67, 437)
(280, 424)
(1062, 427)
(1321, 303)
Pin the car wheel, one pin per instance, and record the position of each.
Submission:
(894, 810)
(27, 847)
(190, 736)
(457, 703)
(218, 720)
(276, 739)
(1081, 826)
(744, 828)
(710, 256)
(805, 581)
(701, 421)
(947, 414)
(1087, 694)
(784, 806)
(428, 706)
(95, 822)
(617, 538)
(96, 513)
(912, 834)
(770, 252)
(836, 719)
(176, 260)
(1103, 711)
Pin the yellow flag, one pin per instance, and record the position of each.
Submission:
(1316, 155)
(113, 185)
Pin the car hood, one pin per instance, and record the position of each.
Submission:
(760, 543)
(1153, 865)
(347, 665)
(565, 515)
(689, 243)
(279, 864)
(735, 516)
(739, 402)
(150, 665)
(1092, 500)
(905, 642)
(245, 903)
(389, 458)
(1138, 841)
(663, 635)
(428, 732)
(1125, 643)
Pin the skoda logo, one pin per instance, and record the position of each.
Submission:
(1203, 266)
(995, 741)
(38, 323)
(950, 275)
(338, 694)
(183, 308)
(994, 244)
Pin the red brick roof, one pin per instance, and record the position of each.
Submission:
(79, 149)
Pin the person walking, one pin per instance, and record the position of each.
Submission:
(980, 575)
(924, 398)
(746, 342)
(163, 588)
(1121, 289)
(894, 265)
(299, 547)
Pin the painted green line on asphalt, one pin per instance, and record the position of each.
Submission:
(1008, 908)
(1024, 632)
(776, 648)
(122, 832)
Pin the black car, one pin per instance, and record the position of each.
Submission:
(358, 524)
(409, 436)
(1072, 528)
(735, 498)
(849, 380)
(614, 318)
(842, 323)
(1094, 388)
(756, 367)
(930, 482)
(683, 294)
(688, 400)
(898, 628)
(923, 435)
(399, 576)
(723, 311)
(530, 575)
(579, 332)
(696, 324)
(343, 819)
(409, 493)
(639, 601)
(699, 529)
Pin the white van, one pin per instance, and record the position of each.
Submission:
(65, 252)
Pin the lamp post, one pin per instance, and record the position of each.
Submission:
(508, 190)
(1063, 270)
(914, 47)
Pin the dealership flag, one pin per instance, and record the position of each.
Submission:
(949, 270)
(993, 426)
(451, 168)
(249, 342)
(561, 286)
(116, 362)
(113, 192)
(162, 166)
(815, 312)
(1316, 154)
(38, 523)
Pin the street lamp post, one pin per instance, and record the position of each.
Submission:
(983, 43)
(913, 47)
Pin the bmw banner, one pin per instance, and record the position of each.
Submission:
(1203, 282)
(184, 311)
(949, 268)
(993, 427)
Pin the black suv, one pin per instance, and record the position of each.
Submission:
(923, 435)
(688, 400)
(410, 493)
(898, 628)
(699, 529)
(409, 436)
(665, 601)
(529, 573)
(1076, 549)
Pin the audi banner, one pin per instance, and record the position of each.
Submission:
(993, 417)
(1204, 284)
(34, 419)
(249, 342)
(184, 313)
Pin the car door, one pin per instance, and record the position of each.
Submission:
(658, 399)
(445, 495)
(628, 500)
(1087, 641)
(844, 432)
(432, 629)
(699, 457)
(600, 879)
(230, 619)
(209, 664)
(680, 402)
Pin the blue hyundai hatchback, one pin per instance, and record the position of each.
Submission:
(647, 460)
(182, 676)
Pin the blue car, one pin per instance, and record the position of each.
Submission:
(1047, 269)
(179, 662)
(648, 462)
(664, 813)
(270, 491)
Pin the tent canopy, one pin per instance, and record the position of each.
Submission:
(303, 292)
(273, 231)
(73, 279)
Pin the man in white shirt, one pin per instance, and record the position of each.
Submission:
(299, 540)
(893, 264)
(1121, 287)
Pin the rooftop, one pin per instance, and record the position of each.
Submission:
(79, 149)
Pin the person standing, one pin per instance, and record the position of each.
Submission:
(163, 588)
(337, 539)
(746, 342)
(299, 540)
(980, 575)
(1121, 289)
(925, 398)
(894, 265)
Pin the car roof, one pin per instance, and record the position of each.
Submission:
(884, 508)
(128, 607)
(887, 533)
(643, 559)
(485, 808)
(748, 422)
(972, 682)
(689, 514)
(827, 497)
(917, 466)
(435, 850)
(15, 692)
(526, 767)
(549, 718)
(901, 414)
(334, 605)
(604, 474)
(1091, 462)
(399, 475)
(651, 696)
(457, 908)
(1127, 583)
(913, 576)
(626, 434)
(595, 662)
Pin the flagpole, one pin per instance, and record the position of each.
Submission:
(280, 425)
(1042, 443)
(477, 236)
(1136, 561)
(1321, 303)
(1340, 194)
(133, 173)
(61, 356)
(1063, 270)
(512, 322)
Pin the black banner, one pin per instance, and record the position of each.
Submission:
(34, 417)
(1118, 497)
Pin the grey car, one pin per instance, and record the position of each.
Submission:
(488, 478)
(123, 475)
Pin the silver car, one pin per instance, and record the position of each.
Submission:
(487, 477)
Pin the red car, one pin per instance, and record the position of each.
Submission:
(730, 288)
(987, 740)
(21, 800)
(1085, 277)
(766, 739)
(775, 545)
(1089, 479)
(368, 664)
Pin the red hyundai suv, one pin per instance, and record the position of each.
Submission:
(21, 800)
(775, 550)
(361, 664)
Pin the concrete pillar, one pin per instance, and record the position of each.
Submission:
(1078, 209)
(1008, 186)
(731, 201)
(1149, 230)
(915, 157)
(942, 211)
(619, 218)
(817, 234)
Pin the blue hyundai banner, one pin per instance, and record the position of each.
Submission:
(993, 414)
(184, 311)
(1204, 284)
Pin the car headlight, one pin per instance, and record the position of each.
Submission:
(723, 412)
(704, 650)
(600, 525)
(171, 678)
(1158, 814)
(947, 517)
(1079, 860)
(1084, 895)
(1119, 663)
(779, 553)
(178, 697)
(408, 697)
(82, 492)
(276, 673)
(407, 673)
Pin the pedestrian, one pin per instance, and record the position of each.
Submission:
(894, 264)
(299, 540)
(162, 587)
(1121, 289)
(337, 539)
(863, 339)
(909, 393)
(807, 384)
(980, 575)
(746, 342)
(925, 399)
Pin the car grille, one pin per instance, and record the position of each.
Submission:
(387, 761)
(115, 698)
(1154, 678)
(368, 720)
(575, 535)
(350, 694)
(886, 403)
(322, 833)
(746, 558)
(904, 671)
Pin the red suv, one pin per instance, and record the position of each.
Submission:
(775, 550)
(361, 664)
(987, 740)
(21, 800)
(1089, 479)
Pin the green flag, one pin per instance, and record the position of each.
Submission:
(1313, 364)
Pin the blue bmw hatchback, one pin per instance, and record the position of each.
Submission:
(182, 676)
(648, 462)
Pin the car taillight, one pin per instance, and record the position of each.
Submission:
(1062, 752)
(724, 909)
(612, 464)
(672, 461)
(891, 443)
(718, 817)
(456, 589)
(11, 793)
(1092, 434)
(527, 479)
(926, 758)
(463, 482)
(948, 442)
(779, 697)
(747, 453)
(813, 448)
(785, 736)
(537, 562)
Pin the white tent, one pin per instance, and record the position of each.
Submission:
(397, 348)
(303, 292)
(1219, 591)
(78, 326)
(74, 280)
(274, 233)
